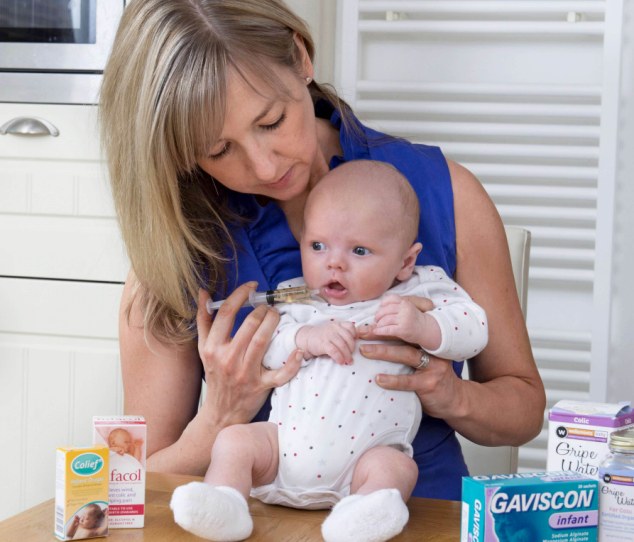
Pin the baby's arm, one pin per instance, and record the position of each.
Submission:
(72, 529)
(334, 339)
(103, 526)
(283, 340)
(456, 328)
(136, 448)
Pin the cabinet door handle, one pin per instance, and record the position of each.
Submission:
(29, 126)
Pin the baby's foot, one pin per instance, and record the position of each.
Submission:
(216, 513)
(375, 517)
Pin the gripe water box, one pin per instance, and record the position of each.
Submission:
(530, 507)
(579, 431)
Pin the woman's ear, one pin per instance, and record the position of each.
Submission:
(409, 261)
(307, 65)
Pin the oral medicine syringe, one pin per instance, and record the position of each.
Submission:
(270, 297)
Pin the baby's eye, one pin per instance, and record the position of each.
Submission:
(318, 245)
(361, 251)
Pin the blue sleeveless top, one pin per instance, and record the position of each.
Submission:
(268, 253)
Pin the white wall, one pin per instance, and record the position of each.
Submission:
(320, 17)
(621, 362)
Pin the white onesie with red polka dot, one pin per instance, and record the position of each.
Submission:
(330, 414)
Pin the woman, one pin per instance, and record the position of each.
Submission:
(215, 133)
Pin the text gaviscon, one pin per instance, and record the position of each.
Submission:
(502, 503)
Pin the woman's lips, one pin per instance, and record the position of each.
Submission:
(283, 181)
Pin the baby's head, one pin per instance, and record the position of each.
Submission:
(121, 439)
(359, 232)
(91, 517)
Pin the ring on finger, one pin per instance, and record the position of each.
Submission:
(424, 361)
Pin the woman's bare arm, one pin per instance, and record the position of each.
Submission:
(504, 401)
(163, 382)
(504, 377)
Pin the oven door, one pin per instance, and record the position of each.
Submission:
(57, 35)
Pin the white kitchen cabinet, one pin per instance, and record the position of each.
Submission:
(56, 213)
(62, 265)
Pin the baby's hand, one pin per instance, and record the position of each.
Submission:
(334, 339)
(399, 317)
(118, 449)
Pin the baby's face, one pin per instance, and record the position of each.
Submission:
(350, 251)
(121, 439)
(90, 518)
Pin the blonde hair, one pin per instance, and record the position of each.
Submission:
(162, 103)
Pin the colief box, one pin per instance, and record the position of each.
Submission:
(530, 507)
(81, 493)
(125, 436)
(579, 432)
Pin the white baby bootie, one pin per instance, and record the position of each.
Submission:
(216, 513)
(376, 517)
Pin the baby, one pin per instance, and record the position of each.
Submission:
(92, 521)
(334, 437)
(121, 442)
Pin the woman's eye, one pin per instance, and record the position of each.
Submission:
(360, 251)
(221, 153)
(275, 124)
(316, 245)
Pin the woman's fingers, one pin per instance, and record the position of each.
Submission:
(279, 377)
(423, 304)
(405, 354)
(226, 314)
(203, 318)
(255, 334)
(397, 353)
(398, 382)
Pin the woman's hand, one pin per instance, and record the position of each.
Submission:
(237, 383)
(162, 381)
(503, 377)
(436, 385)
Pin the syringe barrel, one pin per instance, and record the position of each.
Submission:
(270, 297)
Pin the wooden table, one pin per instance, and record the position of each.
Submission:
(430, 520)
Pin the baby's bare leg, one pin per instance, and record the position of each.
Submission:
(384, 467)
(217, 508)
(244, 456)
(382, 481)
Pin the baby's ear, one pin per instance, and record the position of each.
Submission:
(409, 261)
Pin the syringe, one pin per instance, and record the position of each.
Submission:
(270, 297)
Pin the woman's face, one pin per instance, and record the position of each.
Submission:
(268, 145)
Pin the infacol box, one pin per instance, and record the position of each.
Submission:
(530, 507)
(125, 436)
(578, 434)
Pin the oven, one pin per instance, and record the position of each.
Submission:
(54, 51)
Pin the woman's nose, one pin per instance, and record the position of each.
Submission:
(262, 161)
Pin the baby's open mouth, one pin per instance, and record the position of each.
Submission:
(334, 290)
